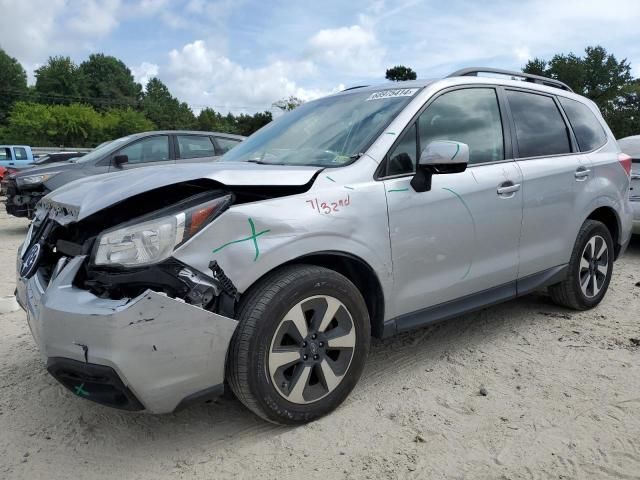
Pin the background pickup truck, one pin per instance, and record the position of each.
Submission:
(15, 156)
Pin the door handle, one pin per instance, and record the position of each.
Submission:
(582, 173)
(505, 189)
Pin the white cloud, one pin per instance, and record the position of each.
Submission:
(94, 17)
(202, 76)
(145, 72)
(351, 49)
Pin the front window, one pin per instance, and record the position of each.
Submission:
(330, 132)
(152, 149)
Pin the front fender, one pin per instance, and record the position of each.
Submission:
(251, 239)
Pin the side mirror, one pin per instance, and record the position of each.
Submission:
(120, 160)
(438, 158)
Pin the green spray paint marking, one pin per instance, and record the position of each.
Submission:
(253, 237)
(349, 188)
(330, 178)
(399, 190)
(80, 391)
(473, 222)
(457, 150)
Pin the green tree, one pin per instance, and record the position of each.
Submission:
(247, 124)
(212, 121)
(119, 122)
(597, 75)
(163, 109)
(59, 81)
(13, 84)
(109, 82)
(400, 73)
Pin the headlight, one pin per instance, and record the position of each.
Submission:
(35, 179)
(154, 240)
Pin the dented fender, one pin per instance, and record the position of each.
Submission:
(251, 239)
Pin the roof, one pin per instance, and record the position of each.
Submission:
(630, 145)
(187, 132)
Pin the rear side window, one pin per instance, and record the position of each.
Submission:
(540, 128)
(586, 127)
(195, 146)
(21, 153)
(226, 144)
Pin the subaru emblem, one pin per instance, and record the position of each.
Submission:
(31, 260)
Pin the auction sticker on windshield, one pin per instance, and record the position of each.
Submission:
(398, 92)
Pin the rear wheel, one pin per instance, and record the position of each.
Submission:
(300, 346)
(590, 269)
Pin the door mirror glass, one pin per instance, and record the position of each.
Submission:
(445, 156)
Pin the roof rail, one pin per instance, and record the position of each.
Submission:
(353, 88)
(528, 77)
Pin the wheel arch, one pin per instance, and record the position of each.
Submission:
(358, 271)
(609, 217)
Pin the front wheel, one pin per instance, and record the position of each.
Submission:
(590, 269)
(300, 346)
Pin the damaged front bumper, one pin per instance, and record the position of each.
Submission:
(150, 352)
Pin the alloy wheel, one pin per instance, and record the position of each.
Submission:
(311, 349)
(594, 266)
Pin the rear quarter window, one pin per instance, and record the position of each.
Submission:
(21, 153)
(586, 127)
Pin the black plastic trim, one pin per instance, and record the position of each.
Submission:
(203, 396)
(98, 383)
(473, 302)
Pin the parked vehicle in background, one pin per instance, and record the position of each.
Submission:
(16, 156)
(369, 212)
(57, 157)
(25, 188)
(631, 146)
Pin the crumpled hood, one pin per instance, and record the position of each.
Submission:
(86, 196)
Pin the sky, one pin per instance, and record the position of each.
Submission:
(243, 55)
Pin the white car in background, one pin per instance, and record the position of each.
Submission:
(631, 146)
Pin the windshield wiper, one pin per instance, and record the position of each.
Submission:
(260, 162)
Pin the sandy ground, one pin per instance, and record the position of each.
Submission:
(563, 401)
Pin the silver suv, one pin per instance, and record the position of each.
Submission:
(370, 212)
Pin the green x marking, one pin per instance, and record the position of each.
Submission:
(253, 237)
(80, 391)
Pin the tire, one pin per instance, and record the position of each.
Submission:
(278, 370)
(584, 266)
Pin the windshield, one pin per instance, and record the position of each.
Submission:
(329, 132)
(101, 149)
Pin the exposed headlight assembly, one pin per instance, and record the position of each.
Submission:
(35, 179)
(151, 241)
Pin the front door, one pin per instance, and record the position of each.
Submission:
(461, 237)
(148, 151)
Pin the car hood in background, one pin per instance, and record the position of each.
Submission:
(86, 196)
(49, 167)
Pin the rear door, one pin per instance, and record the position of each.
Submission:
(554, 174)
(195, 148)
(147, 151)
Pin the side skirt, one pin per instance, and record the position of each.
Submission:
(473, 302)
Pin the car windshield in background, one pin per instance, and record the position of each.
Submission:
(329, 132)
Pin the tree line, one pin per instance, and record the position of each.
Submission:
(98, 100)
